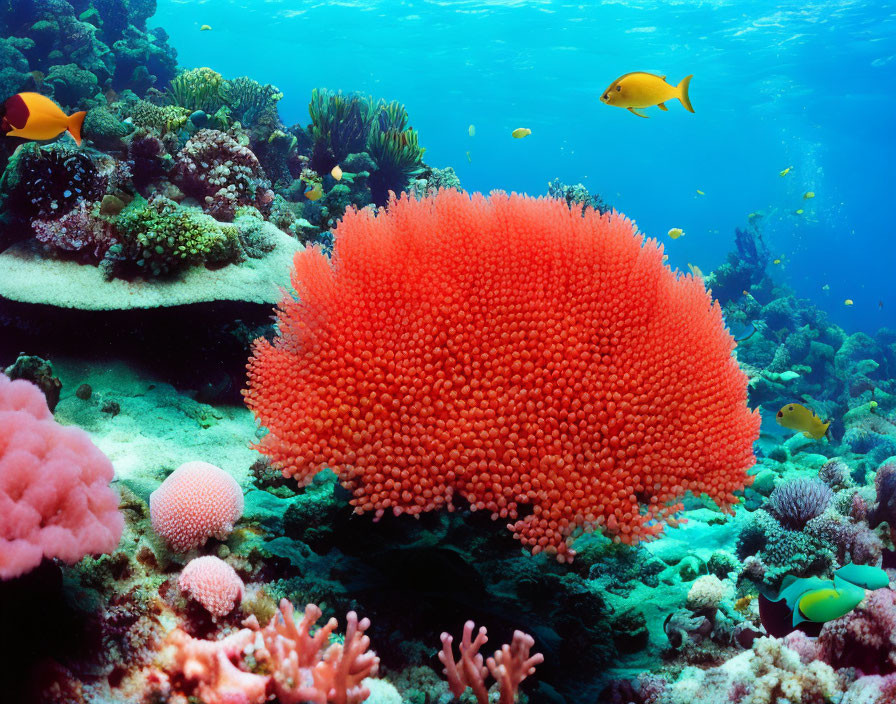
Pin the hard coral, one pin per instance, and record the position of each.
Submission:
(195, 502)
(797, 502)
(224, 175)
(865, 638)
(213, 583)
(552, 360)
(55, 500)
(78, 231)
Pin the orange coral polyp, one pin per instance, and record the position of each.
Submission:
(512, 351)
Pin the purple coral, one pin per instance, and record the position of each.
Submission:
(223, 174)
(797, 502)
(79, 230)
(865, 638)
(885, 509)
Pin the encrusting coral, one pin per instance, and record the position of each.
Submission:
(520, 369)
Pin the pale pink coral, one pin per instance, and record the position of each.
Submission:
(213, 583)
(510, 665)
(196, 502)
(55, 499)
(79, 230)
(865, 638)
(304, 668)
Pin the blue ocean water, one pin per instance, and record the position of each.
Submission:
(802, 85)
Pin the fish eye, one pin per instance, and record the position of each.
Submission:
(618, 88)
(780, 413)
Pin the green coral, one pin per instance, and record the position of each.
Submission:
(340, 124)
(161, 118)
(252, 103)
(199, 89)
(161, 237)
(398, 157)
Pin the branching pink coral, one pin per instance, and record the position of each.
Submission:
(303, 668)
(55, 499)
(509, 666)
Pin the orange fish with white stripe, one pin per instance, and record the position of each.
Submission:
(35, 116)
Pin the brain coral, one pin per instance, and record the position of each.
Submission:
(55, 499)
(512, 352)
(195, 502)
(213, 583)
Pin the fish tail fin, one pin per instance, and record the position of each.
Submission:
(75, 121)
(827, 430)
(683, 93)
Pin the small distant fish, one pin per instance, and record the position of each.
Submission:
(204, 28)
(314, 191)
(471, 130)
(825, 288)
(777, 261)
(798, 211)
(700, 193)
(38, 76)
(808, 194)
(35, 116)
(469, 158)
(797, 417)
(336, 172)
(638, 90)
(676, 232)
(785, 171)
(848, 302)
(521, 132)
(695, 270)
(880, 304)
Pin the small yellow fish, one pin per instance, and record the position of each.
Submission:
(798, 417)
(471, 130)
(695, 270)
(700, 193)
(848, 302)
(204, 28)
(785, 171)
(676, 232)
(314, 191)
(336, 172)
(777, 261)
(798, 211)
(469, 158)
(809, 194)
(521, 132)
(638, 90)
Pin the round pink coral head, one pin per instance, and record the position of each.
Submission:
(213, 583)
(196, 502)
(55, 499)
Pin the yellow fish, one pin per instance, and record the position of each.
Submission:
(471, 130)
(798, 417)
(35, 116)
(638, 90)
(777, 261)
(700, 193)
(798, 211)
(785, 171)
(809, 194)
(695, 270)
(314, 191)
(848, 302)
(675, 233)
(204, 28)
(521, 132)
(336, 172)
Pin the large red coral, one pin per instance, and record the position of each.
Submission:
(510, 350)
(55, 499)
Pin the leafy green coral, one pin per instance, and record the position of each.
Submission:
(398, 157)
(252, 103)
(340, 125)
(161, 118)
(199, 89)
(161, 237)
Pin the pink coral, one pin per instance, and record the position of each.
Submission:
(304, 668)
(213, 583)
(510, 665)
(222, 173)
(79, 230)
(55, 499)
(196, 502)
(865, 638)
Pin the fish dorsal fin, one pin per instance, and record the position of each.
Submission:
(663, 77)
(662, 106)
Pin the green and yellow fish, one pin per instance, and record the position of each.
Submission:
(676, 232)
(638, 90)
(521, 132)
(808, 194)
(797, 417)
(822, 600)
(786, 171)
(205, 28)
